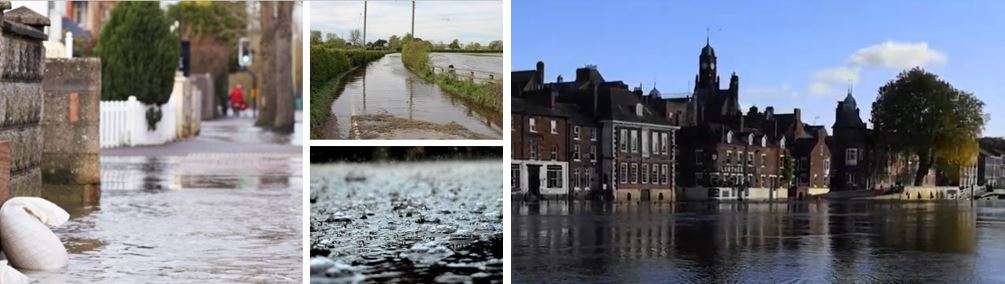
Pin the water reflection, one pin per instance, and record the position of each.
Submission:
(726, 242)
(387, 87)
(225, 217)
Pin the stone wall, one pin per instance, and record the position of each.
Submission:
(21, 56)
(70, 134)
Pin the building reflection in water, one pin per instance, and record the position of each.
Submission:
(741, 241)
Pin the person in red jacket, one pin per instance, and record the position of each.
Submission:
(237, 99)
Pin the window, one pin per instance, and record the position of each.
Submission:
(645, 173)
(663, 174)
(575, 179)
(764, 141)
(624, 173)
(729, 137)
(554, 152)
(575, 132)
(593, 134)
(587, 178)
(635, 141)
(532, 124)
(781, 161)
(533, 149)
(656, 174)
(635, 173)
(624, 140)
(851, 156)
(663, 144)
(554, 127)
(699, 156)
(639, 110)
(514, 177)
(729, 157)
(697, 178)
(764, 157)
(554, 176)
(750, 139)
(656, 143)
(781, 143)
(645, 142)
(575, 152)
(827, 167)
(593, 153)
(750, 158)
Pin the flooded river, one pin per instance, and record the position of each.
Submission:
(389, 102)
(180, 214)
(555, 242)
(419, 222)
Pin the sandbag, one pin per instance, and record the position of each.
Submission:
(9, 275)
(25, 235)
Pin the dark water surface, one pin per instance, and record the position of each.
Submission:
(386, 87)
(413, 222)
(833, 241)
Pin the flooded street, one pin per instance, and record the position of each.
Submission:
(849, 241)
(483, 64)
(386, 101)
(225, 206)
(412, 222)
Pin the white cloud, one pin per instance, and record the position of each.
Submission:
(894, 55)
(897, 55)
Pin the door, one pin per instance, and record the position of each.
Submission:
(534, 179)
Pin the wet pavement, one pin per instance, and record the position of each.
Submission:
(860, 241)
(406, 222)
(223, 207)
(386, 88)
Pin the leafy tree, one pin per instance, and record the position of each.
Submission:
(394, 42)
(456, 44)
(316, 37)
(496, 45)
(919, 114)
(380, 43)
(139, 56)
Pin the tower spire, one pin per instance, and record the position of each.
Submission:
(707, 34)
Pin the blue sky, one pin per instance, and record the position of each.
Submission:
(797, 54)
(436, 21)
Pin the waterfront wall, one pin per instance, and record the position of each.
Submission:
(70, 135)
(21, 64)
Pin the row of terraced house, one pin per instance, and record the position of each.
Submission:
(592, 138)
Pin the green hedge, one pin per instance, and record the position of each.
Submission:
(328, 68)
(415, 56)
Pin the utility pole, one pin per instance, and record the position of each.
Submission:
(413, 18)
(364, 24)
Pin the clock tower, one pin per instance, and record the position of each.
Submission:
(707, 77)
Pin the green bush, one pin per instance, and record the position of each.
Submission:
(415, 56)
(329, 65)
(139, 54)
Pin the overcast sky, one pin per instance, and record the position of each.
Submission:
(436, 21)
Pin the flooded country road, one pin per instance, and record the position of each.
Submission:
(420, 222)
(836, 241)
(189, 212)
(386, 101)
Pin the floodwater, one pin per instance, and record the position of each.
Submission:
(483, 64)
(422, 110)
(406, 222)
(830, 241)
(194, 217)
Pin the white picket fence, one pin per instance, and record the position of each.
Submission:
(124, 123)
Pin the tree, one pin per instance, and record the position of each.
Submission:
(496, 45)
(394, 43)
(212, 29)
(277, 59)
(473, 46)
(456, 44)
(139, 56)
(356, 37)
(919, 114)
(316, 37)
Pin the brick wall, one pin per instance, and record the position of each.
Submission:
(70, 134)
(21, 55)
